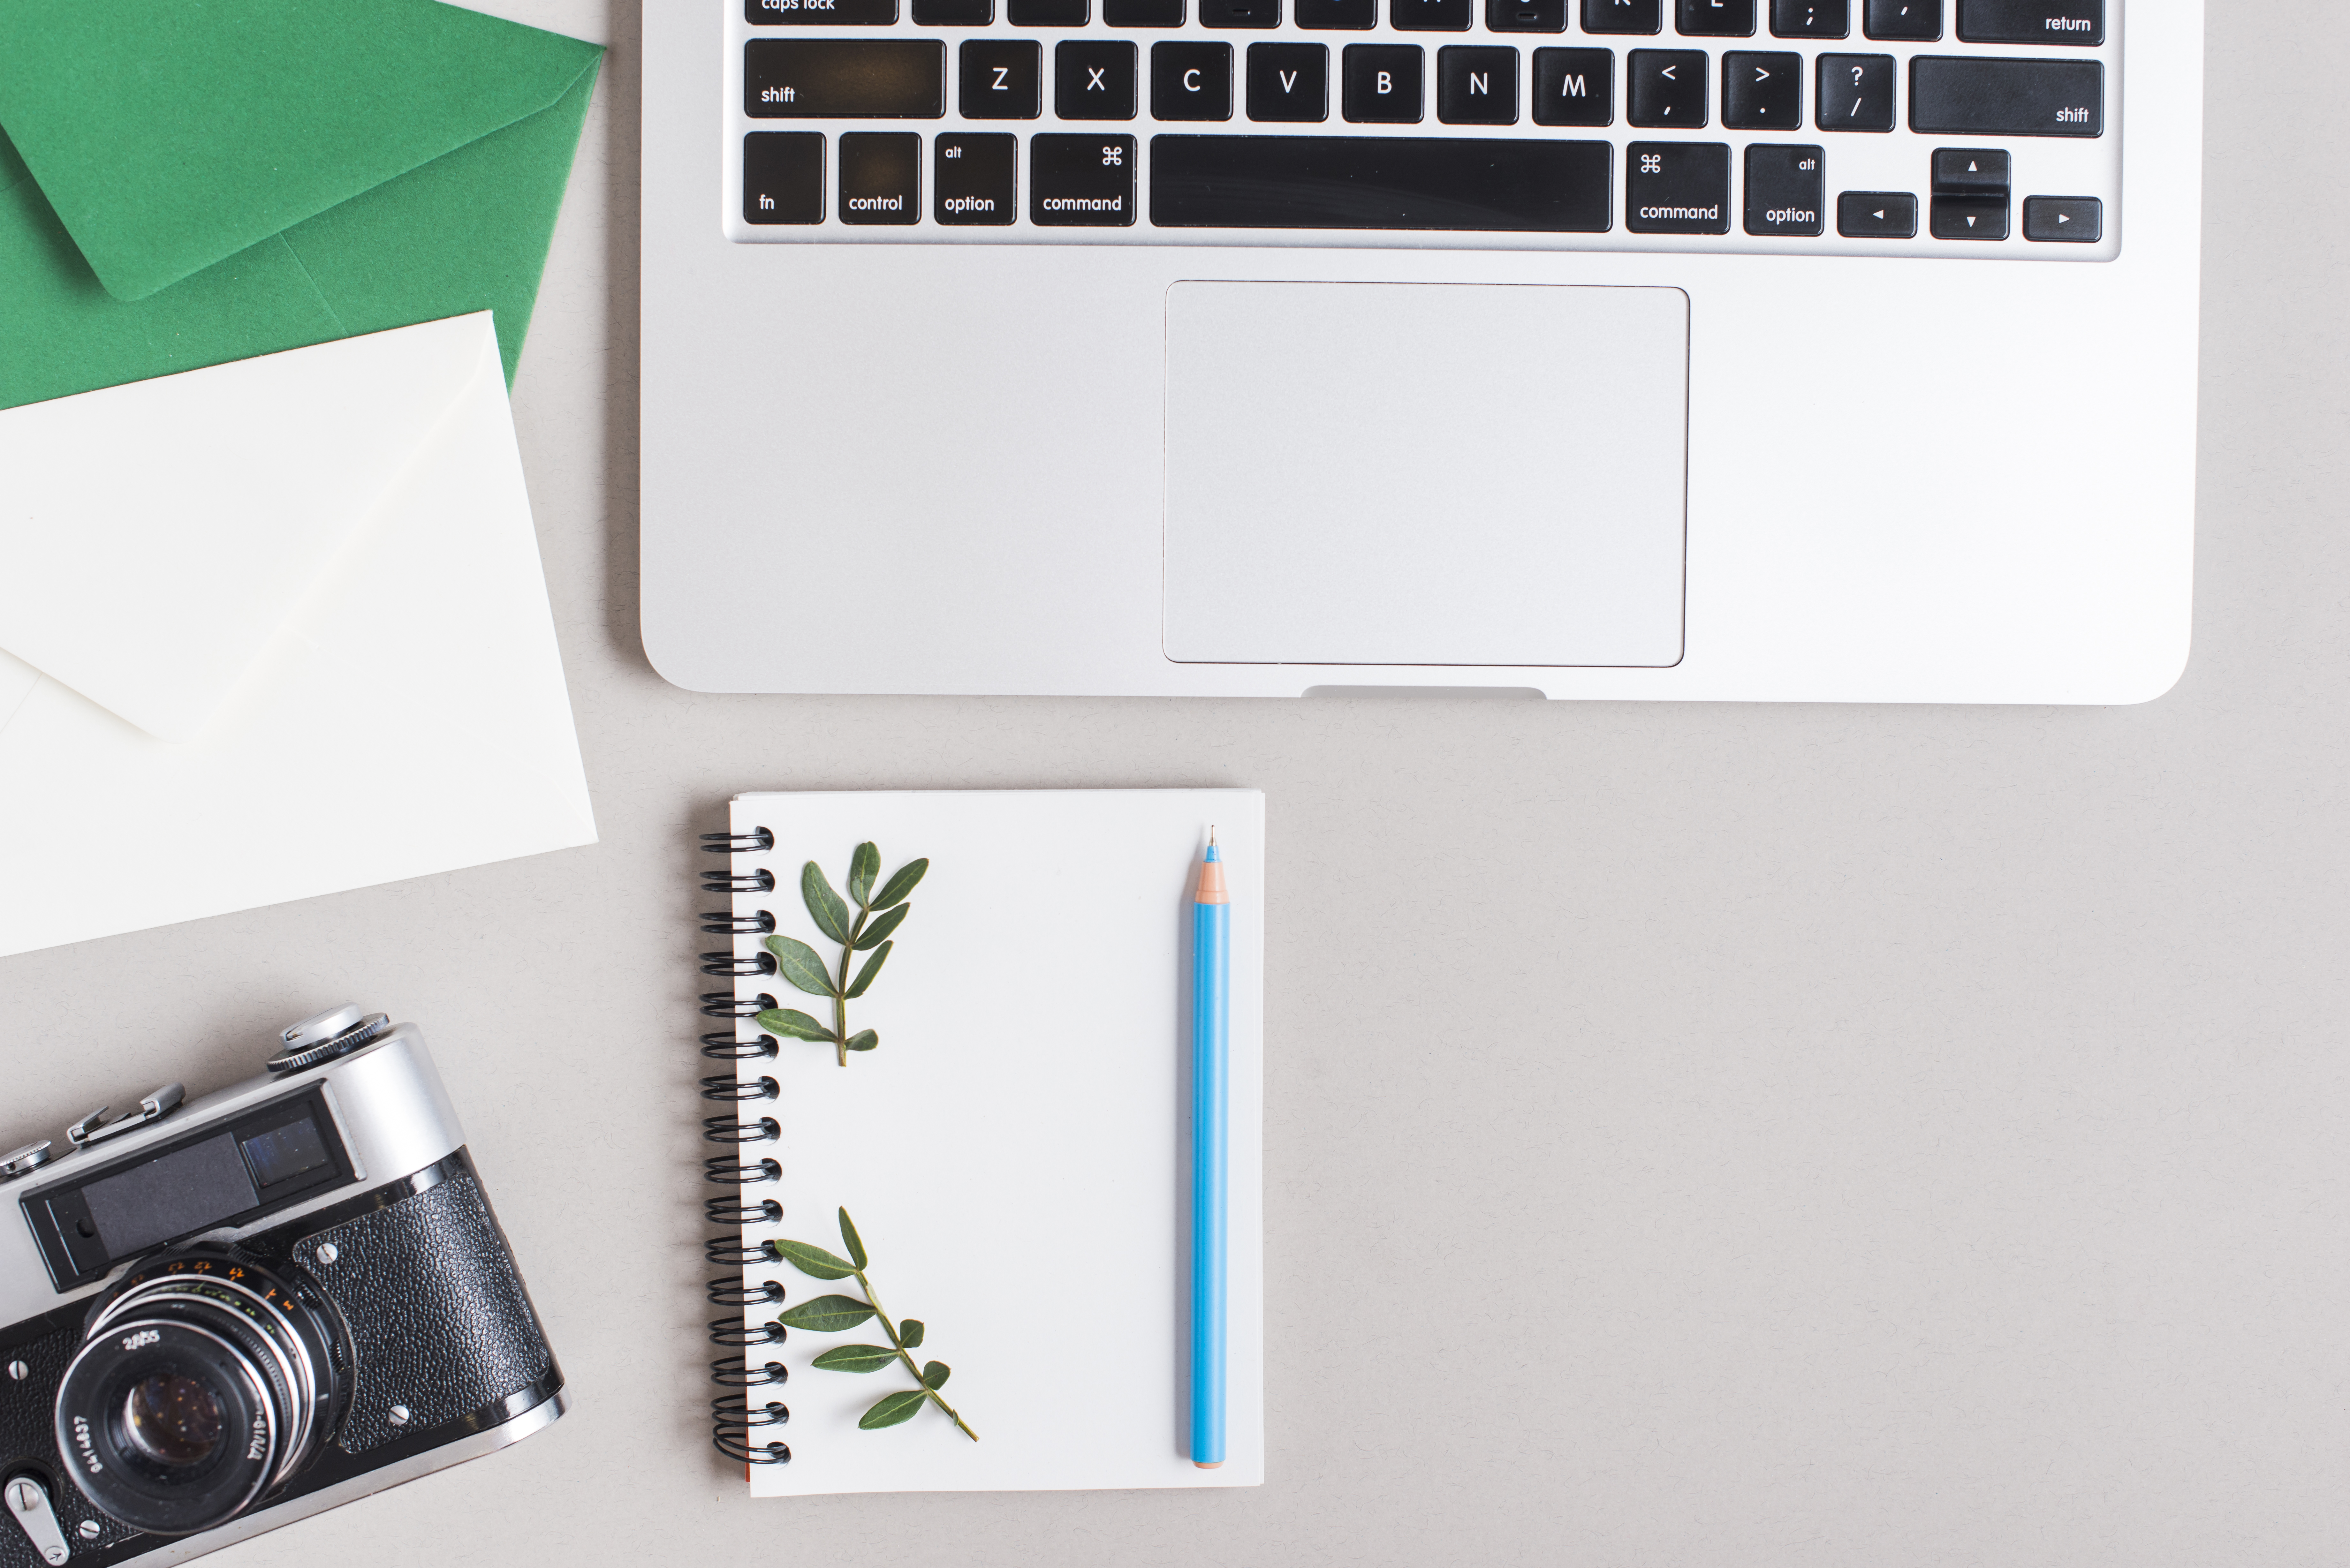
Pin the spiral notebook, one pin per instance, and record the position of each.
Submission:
(1012, 1144)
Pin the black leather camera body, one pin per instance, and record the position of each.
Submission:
(227, 1315)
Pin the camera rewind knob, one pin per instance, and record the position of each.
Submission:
(323, 1036)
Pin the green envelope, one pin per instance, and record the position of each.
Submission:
(185, 184)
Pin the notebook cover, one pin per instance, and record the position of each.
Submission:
(1015, 1151)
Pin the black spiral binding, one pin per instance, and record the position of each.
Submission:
(735, 1416)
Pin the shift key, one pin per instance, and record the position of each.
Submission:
(845, 78)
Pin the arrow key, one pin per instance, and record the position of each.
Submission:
(2065, 220)
(1762, 91)
(1876, 215)
(1971, 217)
(1971, 171)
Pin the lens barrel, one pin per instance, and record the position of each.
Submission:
(203, 1383)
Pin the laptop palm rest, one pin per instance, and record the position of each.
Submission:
(1425, 473)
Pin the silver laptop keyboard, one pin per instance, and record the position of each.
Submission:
(1947, 128)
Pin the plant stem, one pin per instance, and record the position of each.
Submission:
(840, 987)
(899, 1347)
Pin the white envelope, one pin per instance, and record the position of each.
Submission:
(271, 629)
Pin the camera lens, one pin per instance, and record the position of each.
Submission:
(204, 1382)
(174, 1418)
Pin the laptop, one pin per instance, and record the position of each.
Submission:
(1700, 350)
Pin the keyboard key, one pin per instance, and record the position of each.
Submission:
(1623, 15)
(1971, 217)
(880, 177)
(1240, 13)
(1762, 91)
(820, 13)
(1970, 171)
(1429, 16)
(1001, 79)
(1351, 16)
(2081, 21)
(1811, 18)
(1787, 190)
(953, 13)
(1191, 81)
(2065, 220)
(1525, 16)
(1381, 83)
(1289, 82)
(839, 78)
(1093, 80)
(1912, 21)
(1676, 187)
(1142, 13)
(1876, 215)
(783, 177)
(1477, 84)
(1665, 87)
(1574, 86)
(1716, 18)
(1975, 97)
(1392, 182)
(1081, 181)
(1855, 93)
(1045, 13)
(972, 174)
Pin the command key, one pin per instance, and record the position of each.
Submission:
(1081, 181)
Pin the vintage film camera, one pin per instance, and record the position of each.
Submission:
(220, 1317)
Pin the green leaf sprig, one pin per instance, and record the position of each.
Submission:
(878, 915)
(837, 1314)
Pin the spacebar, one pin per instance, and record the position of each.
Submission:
(1380, 183)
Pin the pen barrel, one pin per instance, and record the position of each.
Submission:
(1210, 963)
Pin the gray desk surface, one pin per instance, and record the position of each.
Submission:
(1787, 1135)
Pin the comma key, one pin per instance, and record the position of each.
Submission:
(1081, 181)
(975, 178)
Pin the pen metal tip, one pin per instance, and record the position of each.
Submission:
(1212, 833)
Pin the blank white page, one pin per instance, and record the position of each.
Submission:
(1016, 1151)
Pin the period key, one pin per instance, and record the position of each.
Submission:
(975, 176)
(1081, 181)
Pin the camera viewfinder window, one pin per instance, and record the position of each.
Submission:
(183, 1191)
(283, 1153)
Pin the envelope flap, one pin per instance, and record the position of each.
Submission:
(155, 536)
(169, 138)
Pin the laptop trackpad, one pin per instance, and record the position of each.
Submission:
(1425, 473)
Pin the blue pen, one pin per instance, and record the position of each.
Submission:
(1211, 959)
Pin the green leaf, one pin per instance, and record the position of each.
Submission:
(872, 967)
(909, 1333)
(827, 1314)
(799, 964)
(935, 1373)
(863, 867)
(863, 1040)
(896, 889)
(848, 1239)
(823, 905)
(793, 1025)
(882, 926)
(856, 1358)
(810, 1260)
(891, 1409)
